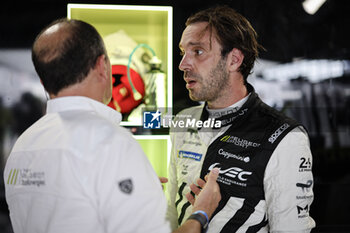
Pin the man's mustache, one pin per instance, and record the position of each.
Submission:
(189, 74)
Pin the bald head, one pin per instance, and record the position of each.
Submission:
(50, 42)
(64, 53)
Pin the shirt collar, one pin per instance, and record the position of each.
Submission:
(72, 103)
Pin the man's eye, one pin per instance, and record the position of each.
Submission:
(198, 52)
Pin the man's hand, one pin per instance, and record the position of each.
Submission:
(208, 198)
(163, 180)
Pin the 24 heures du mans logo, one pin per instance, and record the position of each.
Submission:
(305, 165)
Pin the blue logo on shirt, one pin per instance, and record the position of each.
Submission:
(151, 120)
(190, 155)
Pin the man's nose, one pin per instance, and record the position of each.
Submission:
(185, 63)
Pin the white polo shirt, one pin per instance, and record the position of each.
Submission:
(77, 171)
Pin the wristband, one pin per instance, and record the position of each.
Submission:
(202, 212)
(202, 218)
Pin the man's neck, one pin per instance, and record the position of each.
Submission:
(85, 88)
(228, 99)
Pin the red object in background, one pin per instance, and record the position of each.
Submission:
(122, 95)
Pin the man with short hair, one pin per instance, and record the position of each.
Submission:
(75, 169)
(262, 154)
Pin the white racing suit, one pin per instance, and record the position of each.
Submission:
(265, 170)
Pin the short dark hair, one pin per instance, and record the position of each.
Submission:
(69, 59)
(232, 31)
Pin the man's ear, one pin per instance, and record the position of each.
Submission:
(101, 66)
(234, 60)
(48, 96)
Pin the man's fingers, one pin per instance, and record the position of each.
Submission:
(200, 182)
(213, 175)
(195, 189)
(209, 197)
(163, 180)
(211, 181)
(190, 198)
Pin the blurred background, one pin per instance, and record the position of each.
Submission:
(305, 72)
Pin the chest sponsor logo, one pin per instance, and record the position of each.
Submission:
(26, 177)
(305, 165)
(278, 132)
(232, 175)
(228, 155)
(303, 212)
(238, 141)
(190, 155)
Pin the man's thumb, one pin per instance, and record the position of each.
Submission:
(213, 175)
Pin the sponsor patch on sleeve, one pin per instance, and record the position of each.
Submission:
(189, 155)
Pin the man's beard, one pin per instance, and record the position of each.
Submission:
(212, 86)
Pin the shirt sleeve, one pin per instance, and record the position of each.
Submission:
(130, 193)
(171, 188)
(288, 184)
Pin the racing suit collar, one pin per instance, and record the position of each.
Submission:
(229, 118)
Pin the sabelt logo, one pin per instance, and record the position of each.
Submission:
(233, 172)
